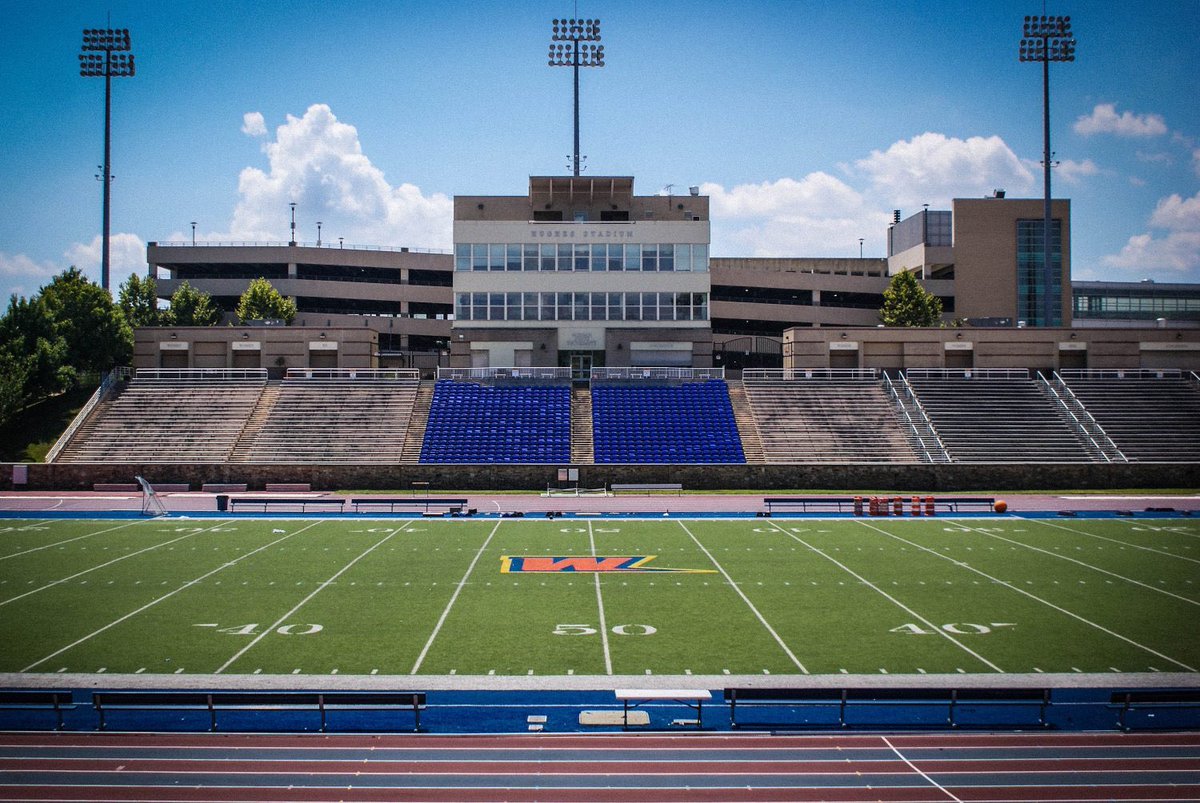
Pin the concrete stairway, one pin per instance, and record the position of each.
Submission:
(415, 437)
(743, 414)
(262, 411)
(582, 445)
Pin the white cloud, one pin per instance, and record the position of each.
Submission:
(22, 276)
(1177, 253)
(254, 125)
(126, 255)
(1105, 120)
(933, 169)
(317, 162)
(1071, 171)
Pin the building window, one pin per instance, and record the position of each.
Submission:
(1030, 276)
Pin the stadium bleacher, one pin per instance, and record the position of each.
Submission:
(1149, 415)
(472, 422)
(692, 422)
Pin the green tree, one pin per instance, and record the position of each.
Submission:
(98, 338)
(907, 303)
(262, 301)
(138, 299)
(32, 356)
(191, 307)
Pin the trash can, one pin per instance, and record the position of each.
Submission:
(222, 503)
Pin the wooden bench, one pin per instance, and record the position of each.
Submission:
(646, 487)
(258, 701)
(1155, 701)
(302, 502)
(843, 699)
(391, 502)
(37, 700)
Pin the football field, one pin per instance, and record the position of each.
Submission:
(596, 597)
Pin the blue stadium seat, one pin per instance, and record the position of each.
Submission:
(474, 423)
(689, 423)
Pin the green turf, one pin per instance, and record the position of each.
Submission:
(763, 596)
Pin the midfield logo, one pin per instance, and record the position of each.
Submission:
(586, 563)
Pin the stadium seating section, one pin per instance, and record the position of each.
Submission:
(1149, 418)
(471, 422)
(688, 423)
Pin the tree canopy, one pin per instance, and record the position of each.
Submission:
(262, 301)
(907, 303)
(138, 299)
(98, 337)
(191, 307)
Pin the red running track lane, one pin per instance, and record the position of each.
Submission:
(975, 768)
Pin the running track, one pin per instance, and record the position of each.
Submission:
(945, 767)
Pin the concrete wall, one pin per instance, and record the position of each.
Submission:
(901, 478)
(217, 346)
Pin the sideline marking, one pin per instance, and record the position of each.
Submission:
(109, 563)
(69, 540)
(600, 604)
(1033, 597)
(937, 629)
(1132, 522)
(915, 769)
(457, 590)
(331, 581)
(168, 595)
(1088, 565)
(745, 599)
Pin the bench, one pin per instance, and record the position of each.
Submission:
(1153, 702)
(645, 487)
(287, 487)
(391, 502)
(952, 700)
(838, 503)
(953, 503)
(37, 700)
(302, 502)
(843, 503)
(258, 701)
(692, 698)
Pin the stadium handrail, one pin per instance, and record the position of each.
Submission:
(325, 246)
(1081, 420)
(1121, 373)
(922, 427)
(202, 373)
(476, 374)
(103, 392)
(788, 374)
(656, 374)
(353, 373)
(967, 373)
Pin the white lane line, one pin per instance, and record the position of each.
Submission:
(60, 581)
(915, 769)
(67, 541)
(166, 596)
(453, 597)
(281, 620)
(1085, 565)
(1033, 597)
(608, 670)
(1117, 540)
(745, 599)
(935, 628)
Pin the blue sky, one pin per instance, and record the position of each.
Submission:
(806, 122)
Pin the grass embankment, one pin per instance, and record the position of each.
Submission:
(31, 432)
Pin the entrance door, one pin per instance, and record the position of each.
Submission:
(581, 365)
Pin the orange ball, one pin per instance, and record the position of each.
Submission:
(1000, 506)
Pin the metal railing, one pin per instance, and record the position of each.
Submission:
(656, 374)
(788, 374)
(364, 374)
(324, 246)
(103, 392)
(920, 429)
(476, 374)
(1081, 420)
(1121, 373)
(966, 373)
(152, 374)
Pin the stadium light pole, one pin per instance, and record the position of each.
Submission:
(1047, 39)
(293, 206)
(116, 62)
(580, 50)
(193, 232)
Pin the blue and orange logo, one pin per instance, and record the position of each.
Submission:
(587, 563)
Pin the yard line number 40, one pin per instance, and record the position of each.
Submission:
(954, 628)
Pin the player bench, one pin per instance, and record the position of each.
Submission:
(1155, 704)
(692, 698)
(804, 503)
(258, 702)
(954, 503)
(37, 700)
(302, 502)
(363, 504)
(646, 487)
(1027, 701)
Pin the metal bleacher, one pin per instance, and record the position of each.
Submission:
(1151, 415)
(996, 416)
(825, 415)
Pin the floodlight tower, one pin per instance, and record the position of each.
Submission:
(116, 62)
(1047, 39)
(580, 51)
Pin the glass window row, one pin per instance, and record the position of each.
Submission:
(597, 257)
(581, 306)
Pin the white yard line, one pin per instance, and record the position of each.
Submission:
(933, 627)
(166, 596)
(1117, 540)
(746, 599)
(1033, 597)
(1083, 564)
(279, 622)
(109, 563)
(914, 768)
(445, 613)
(600, 604)
(67, 541)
